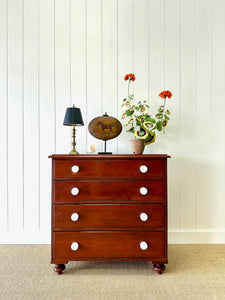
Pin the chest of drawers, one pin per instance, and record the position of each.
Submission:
(109, 207)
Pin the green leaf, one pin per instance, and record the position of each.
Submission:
(166, 117)
(138, 123)
(148, 118)
(129, 112)
(131, 130)
(152, 120)
(159, 125)
(158, 116)
(147, 105)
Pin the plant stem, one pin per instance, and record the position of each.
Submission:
(164, 104)
(129, 89)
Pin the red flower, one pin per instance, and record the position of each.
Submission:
(165, 94)
(129, 76)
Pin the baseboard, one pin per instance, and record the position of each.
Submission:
(34, 238)
(196, 237)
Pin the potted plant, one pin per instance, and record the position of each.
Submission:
(140, 122)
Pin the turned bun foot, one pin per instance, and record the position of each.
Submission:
(59, 268)
(159, 268)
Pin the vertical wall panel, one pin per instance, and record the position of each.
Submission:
(188, 116)
(109, 63)
(3, 115)
(62, 74)
(78, 67)
(217, 175)
(31, 117)
(204, 113)
(156, 62)
(141, 48)
(171, 138)
(15, 116)
(125, 63)
(47, 112)
(141, 51)
(94, 65)
(156, 31)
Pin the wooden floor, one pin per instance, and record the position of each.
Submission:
(194, 272)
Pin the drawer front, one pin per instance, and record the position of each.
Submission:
(77, 169)
(108, 245)
(114, 191)
(106, 216)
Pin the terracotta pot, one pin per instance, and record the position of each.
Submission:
(137, 146)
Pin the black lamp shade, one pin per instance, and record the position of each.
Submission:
(73, 117)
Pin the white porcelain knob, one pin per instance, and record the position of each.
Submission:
(74, 246)
(143, 191)
(75, 169)
(74, 217)
(143, 217)
(143, 169)
(75, 191)
(143, 245)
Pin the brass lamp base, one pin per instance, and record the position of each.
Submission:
(74, 151)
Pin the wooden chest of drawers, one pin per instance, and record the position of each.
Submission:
(109, 207)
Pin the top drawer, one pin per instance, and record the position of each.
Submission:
(82, 169)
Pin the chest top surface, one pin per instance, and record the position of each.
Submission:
(108, 157)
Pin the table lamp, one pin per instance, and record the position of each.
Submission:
(73, 118)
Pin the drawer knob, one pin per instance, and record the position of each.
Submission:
(143, 245)
(75, 169)
(143, 169)
(143, 190)
(74, 246)
(75, 191)
(143, 217)
(74, 217)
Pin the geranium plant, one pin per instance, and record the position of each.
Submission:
(139, 121)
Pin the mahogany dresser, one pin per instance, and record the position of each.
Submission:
(109, 207)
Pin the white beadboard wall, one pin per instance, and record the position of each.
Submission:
(55, 53)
